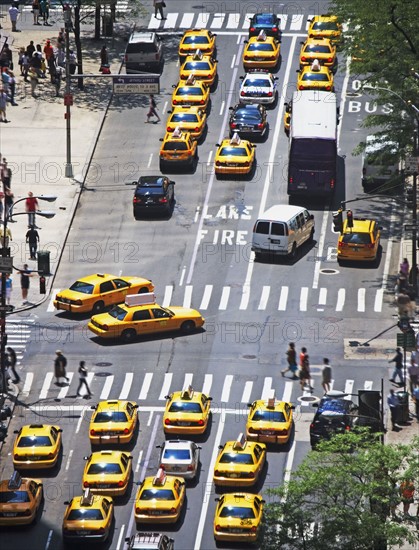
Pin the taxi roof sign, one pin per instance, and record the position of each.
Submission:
(177, 132)
(262, 36)
(87, 498)
(240, 442)
(315, 66)
(235, 140)
(271, 400)
(140, 299)
(198, 55)
(187, 392)
(190, 80)
(160, 478)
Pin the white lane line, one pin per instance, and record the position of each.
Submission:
(267, 388)
(64, 390)
(368, 385)
(322, 299)
(264, 297)
(286, 396)
(233, 20)
(204, 212)
(206, 297)
(341, 299)
(188, 380)
(196, 214)
(217, 20)
(233, 61)
(389, 250)
(182, 276)
(246, 22)
(271, 166)
(150, 160)
(296, 22)
(170, 22)
(308, 22)
(70, 454)
(224, 298)
(210, 157)
(187, 300)
(320, 248)
(202, 20)
(288, 464)
(50, 533)
(46, 385)
(150, 418)
(80, 420)
(166, 385)
(361, 300)
(148, 377)
(168, 292)
(107, 387)
(223, 104)
(54, 292)
(208, 485)
(206, 388)
(121, 534)
(349, 386)
(154, 23)
(186, 22)
(283, 21)
(129, 377)
(303, 298)
(225, 395)
(28, 383)
(283, 298)
(378, 302)
(247, 392)
(137, 466)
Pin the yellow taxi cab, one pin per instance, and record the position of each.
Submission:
(113, 422)
(95, 292)
(140, 315)
(269, 421)
(234, 156)
(197, 39)
(20, 500)
(88, 518)
(36, 446)
(261, 52)
(203, 68)
(318, 48)
(287, 117)
(238, 517)
(179, 148)
(315, 77)
(191, 92)
(359, 240)
(107, 472)
(239, 462)
(187, 118)
(160, 499)
(186, 412)
(325, 26)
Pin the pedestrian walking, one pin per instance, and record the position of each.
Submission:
(158, 7)
(48, 51)
(9, 201)
(405, 268)
(291, 355)
(152, 109)
(305, 376)
(32, 238)
(3, 105)
(104, 59)
(33, 78)
(35, 11)
(407, 491)
(398, 367)
(6, 174)
(32, 206)
(12, 359)
(13, 14)
(72, 62)
(404, 305)
(9, 288)
(60, 364)
(326, 375)
(25, 275)
(57, 80)
(416, 398)
(30, 48)
(44, 11)
(393, 404)
(12, 86)
(6, 57)
(83, 379)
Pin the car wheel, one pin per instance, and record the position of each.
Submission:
(258, 256)
(143, 290)
(293, 252)
(128, 335)
(311, 238)
(98, 307)
(187, 326)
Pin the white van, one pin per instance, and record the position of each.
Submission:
(281, 230)
(380, 165)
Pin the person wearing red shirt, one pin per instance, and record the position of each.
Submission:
(31, 208)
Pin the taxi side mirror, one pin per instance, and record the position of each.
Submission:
(209, 398)
(241, 77)
(60, 431)
(263, 501)
(199, 447)
(135, 406)
(302, 42)
(127, 539)
(311, 216)
(315, 405)
(167, 396)
(161, 139)
(217, 499)
(172, 182)
(85, 458)
(66, 502)
(173, 85)
(310, 20)
(93, 407)
(221, 446)
(218, 144)
(158, 446)
(230, 108)
(169, 112)
(250, 404)
(16, 431)
(246, 42)
(293, 407)
(254, 145)
(130, 457)
(275, 78)
(298, 71)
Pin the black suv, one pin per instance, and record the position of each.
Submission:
(248, 120)
(153, 195)
(267, 22)
(334, 415)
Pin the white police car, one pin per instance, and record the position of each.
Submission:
(258, 86)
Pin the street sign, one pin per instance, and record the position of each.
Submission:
(6, 264)
(404, 325)
(406, 341)
(7, 308)
(411, 164)
(136, 84)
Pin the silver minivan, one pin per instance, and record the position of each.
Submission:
(380, 166)
(281, 230)
(144, 52)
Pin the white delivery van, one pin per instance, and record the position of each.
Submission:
(281, 230)
(380, 166)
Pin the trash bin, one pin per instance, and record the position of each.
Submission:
(107, 25)
(403, 398)
(43, 262)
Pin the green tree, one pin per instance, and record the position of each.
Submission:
(381, 40)
(342, 496)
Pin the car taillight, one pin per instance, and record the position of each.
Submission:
(218, 163)
(183, 76)
(92, 432)
(253, 529)
(190, 468)
(252, 430)
(303, 58)
(126, 431)
(233, 125)
(196, 129)
(27, 512)
(342, 245)
(175, 102)
(201, 422)
(85, 484)
(218, 527)
(274, 29)
(246, 163)
(328, 88)
(251, 474)
(270, 94)
(104, 327)
(126, 58)
(364, 171)
(301, 87)
(260, 125)
(162, 199)
(136, 200)
(252, 29)
(120, 483)
(246, 57)
(371, 245)
(332, 183)
(137, 510)
(291, 180)
(202, 102)
(167, 422)
(169, 129)
(207, 76)
(329, 59)
(242, 93)
(173, 510)
(50, 455)
(217, 473)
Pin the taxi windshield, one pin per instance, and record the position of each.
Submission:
(236, 458)
(237, 512)
(81, 286)
(35, 441)
(118, 313)
(268, 416)
(319, 77)
(14, 497)
(259, 46)
(185, 407)
(104, 468)
(195, 39)
(157, 494)
(189, 90)
(175, 146)
(317, 48)
(325, 26)
(197, 66)
(357, 238)
(234, 151)
(87, 514)
(110, 416)
(184, 117)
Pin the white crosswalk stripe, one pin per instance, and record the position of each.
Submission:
(18, 335)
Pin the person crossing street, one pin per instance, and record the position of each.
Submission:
(60, 365)
(398, 367)
(83, 380)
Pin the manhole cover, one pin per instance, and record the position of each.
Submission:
(329, 271)
(310, 399)
(103, 364)
(249, 356)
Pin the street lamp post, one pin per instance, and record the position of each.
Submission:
(67, 95)
(7, 267)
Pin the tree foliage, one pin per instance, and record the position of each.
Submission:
(342, 496)
(382, 42)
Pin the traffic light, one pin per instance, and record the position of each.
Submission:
(338, 221)
(349, 218)
(42, 285)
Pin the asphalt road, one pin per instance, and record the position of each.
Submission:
(201, 256)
